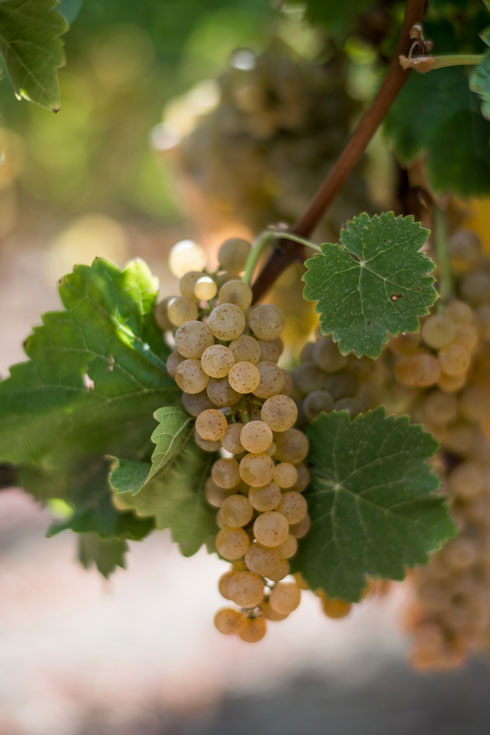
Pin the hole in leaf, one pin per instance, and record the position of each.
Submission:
(110, 367)
(396, 296)
(88, 382)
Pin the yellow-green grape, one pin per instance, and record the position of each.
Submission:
(161, 315)
(226, 322)
(293, 506)
(246, 349)
(459, 312)
(474, 403)
(252, 630)
(269, 612)
(271, 380)
(173, 362)
(224, 583)
(233, 254)
(335, 608)
(451, 383)
(308, 377)
(221, 394)
(192, 338)
(326, 355)
(185, 256)
(272, 449)
(205, 444)
(211, 425)
(236, 511)
(466, 481)
(196, 403)
(261, 560)
(292, 446)
(464, 248)
(475, 286)
(228, 620)
(235, 292)
(303, 480)
(246, 589)
(407, 343)
(454, 360)
(438, 331)
(298, 530)
(256, 470)
(271, 528)
(466, 336)
(190, 377)
(285, 597)
(225, 472)
(440, 408)
(288, 548)
(460, 438)
(271, 351)
(279, 412)
(265, 498)
(205, 288)
(306, 354)
(256, 437)
(301, 582)
(232, 543)
(231, 440)
(217, 361)
(317, 402)
(422, 370)
(266, 321)
(244, 377)
(214, 494)
(187, 283)
(280, 571)
(285, 474)
(180, 310)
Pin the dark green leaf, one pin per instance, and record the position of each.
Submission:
(106, 554)
(30, 43)
(373, 284)
(171, 489)
(437, 113)
(371, 502)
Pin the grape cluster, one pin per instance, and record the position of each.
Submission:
(325, 380)
(444, 373)
(225, 362)
(276, 128)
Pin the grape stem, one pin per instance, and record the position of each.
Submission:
(266, 238)
(441, 62)
(284, 252)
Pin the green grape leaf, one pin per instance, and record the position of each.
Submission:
(480, 77)
(105, 554)
(170, 490)
(371, 502)
(439, 115)
(96, 373)
(30, 42)
(373, 284)
(339, 19)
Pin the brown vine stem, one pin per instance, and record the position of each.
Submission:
(286, 252)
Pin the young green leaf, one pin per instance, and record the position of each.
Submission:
(480, 77)
(170, 489)
(31, 46)
(106, 554)
(375, 283)
(371, 502)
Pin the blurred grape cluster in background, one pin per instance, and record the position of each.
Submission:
(164, 134)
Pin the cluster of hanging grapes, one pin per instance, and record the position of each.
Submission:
(441, 377)
(279, 121)
(225, 362)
